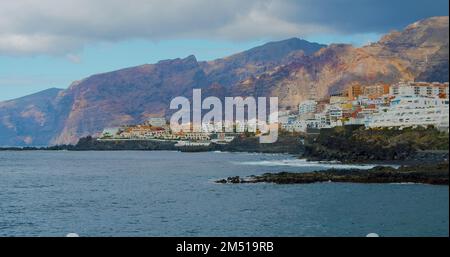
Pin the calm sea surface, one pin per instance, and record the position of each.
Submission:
(172, 194)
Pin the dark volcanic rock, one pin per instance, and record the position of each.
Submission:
(357, 144)
(427, 174)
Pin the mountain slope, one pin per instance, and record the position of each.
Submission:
(128, 96)
(30, 120)
(420, 52)
(232, 69)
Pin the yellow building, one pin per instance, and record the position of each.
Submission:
(338, 99)
(353, 91)
(376, 91)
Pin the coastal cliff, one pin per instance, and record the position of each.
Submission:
(288, 69)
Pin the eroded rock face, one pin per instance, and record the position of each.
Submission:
(31, 120)
(287, 69)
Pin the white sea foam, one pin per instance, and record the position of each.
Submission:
(406, 183)
(305, 163)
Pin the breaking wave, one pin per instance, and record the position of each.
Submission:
(305, 163)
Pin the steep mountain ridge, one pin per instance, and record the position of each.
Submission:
(230, 70)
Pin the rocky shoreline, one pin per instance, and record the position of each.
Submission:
(433, 174)
(355, 144)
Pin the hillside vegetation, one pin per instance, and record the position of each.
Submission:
(354, 143)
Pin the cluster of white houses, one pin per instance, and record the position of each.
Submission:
(157, 129)
(405, 104)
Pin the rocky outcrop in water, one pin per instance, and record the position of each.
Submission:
(437, 174)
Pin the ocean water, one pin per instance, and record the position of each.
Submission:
(52, 193)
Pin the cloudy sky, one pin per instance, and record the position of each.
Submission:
(50, 43)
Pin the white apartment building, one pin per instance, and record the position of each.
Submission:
(335, 112)
(365, 101)
(157, 122)
(413, 111)
(295, 126)
(110, 132)
(331, 117)
(303, 125)
(309, 106)
(406, 89)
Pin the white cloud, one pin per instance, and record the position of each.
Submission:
(73, 58)
(64, 26)
(59, 27)
(37, 43)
